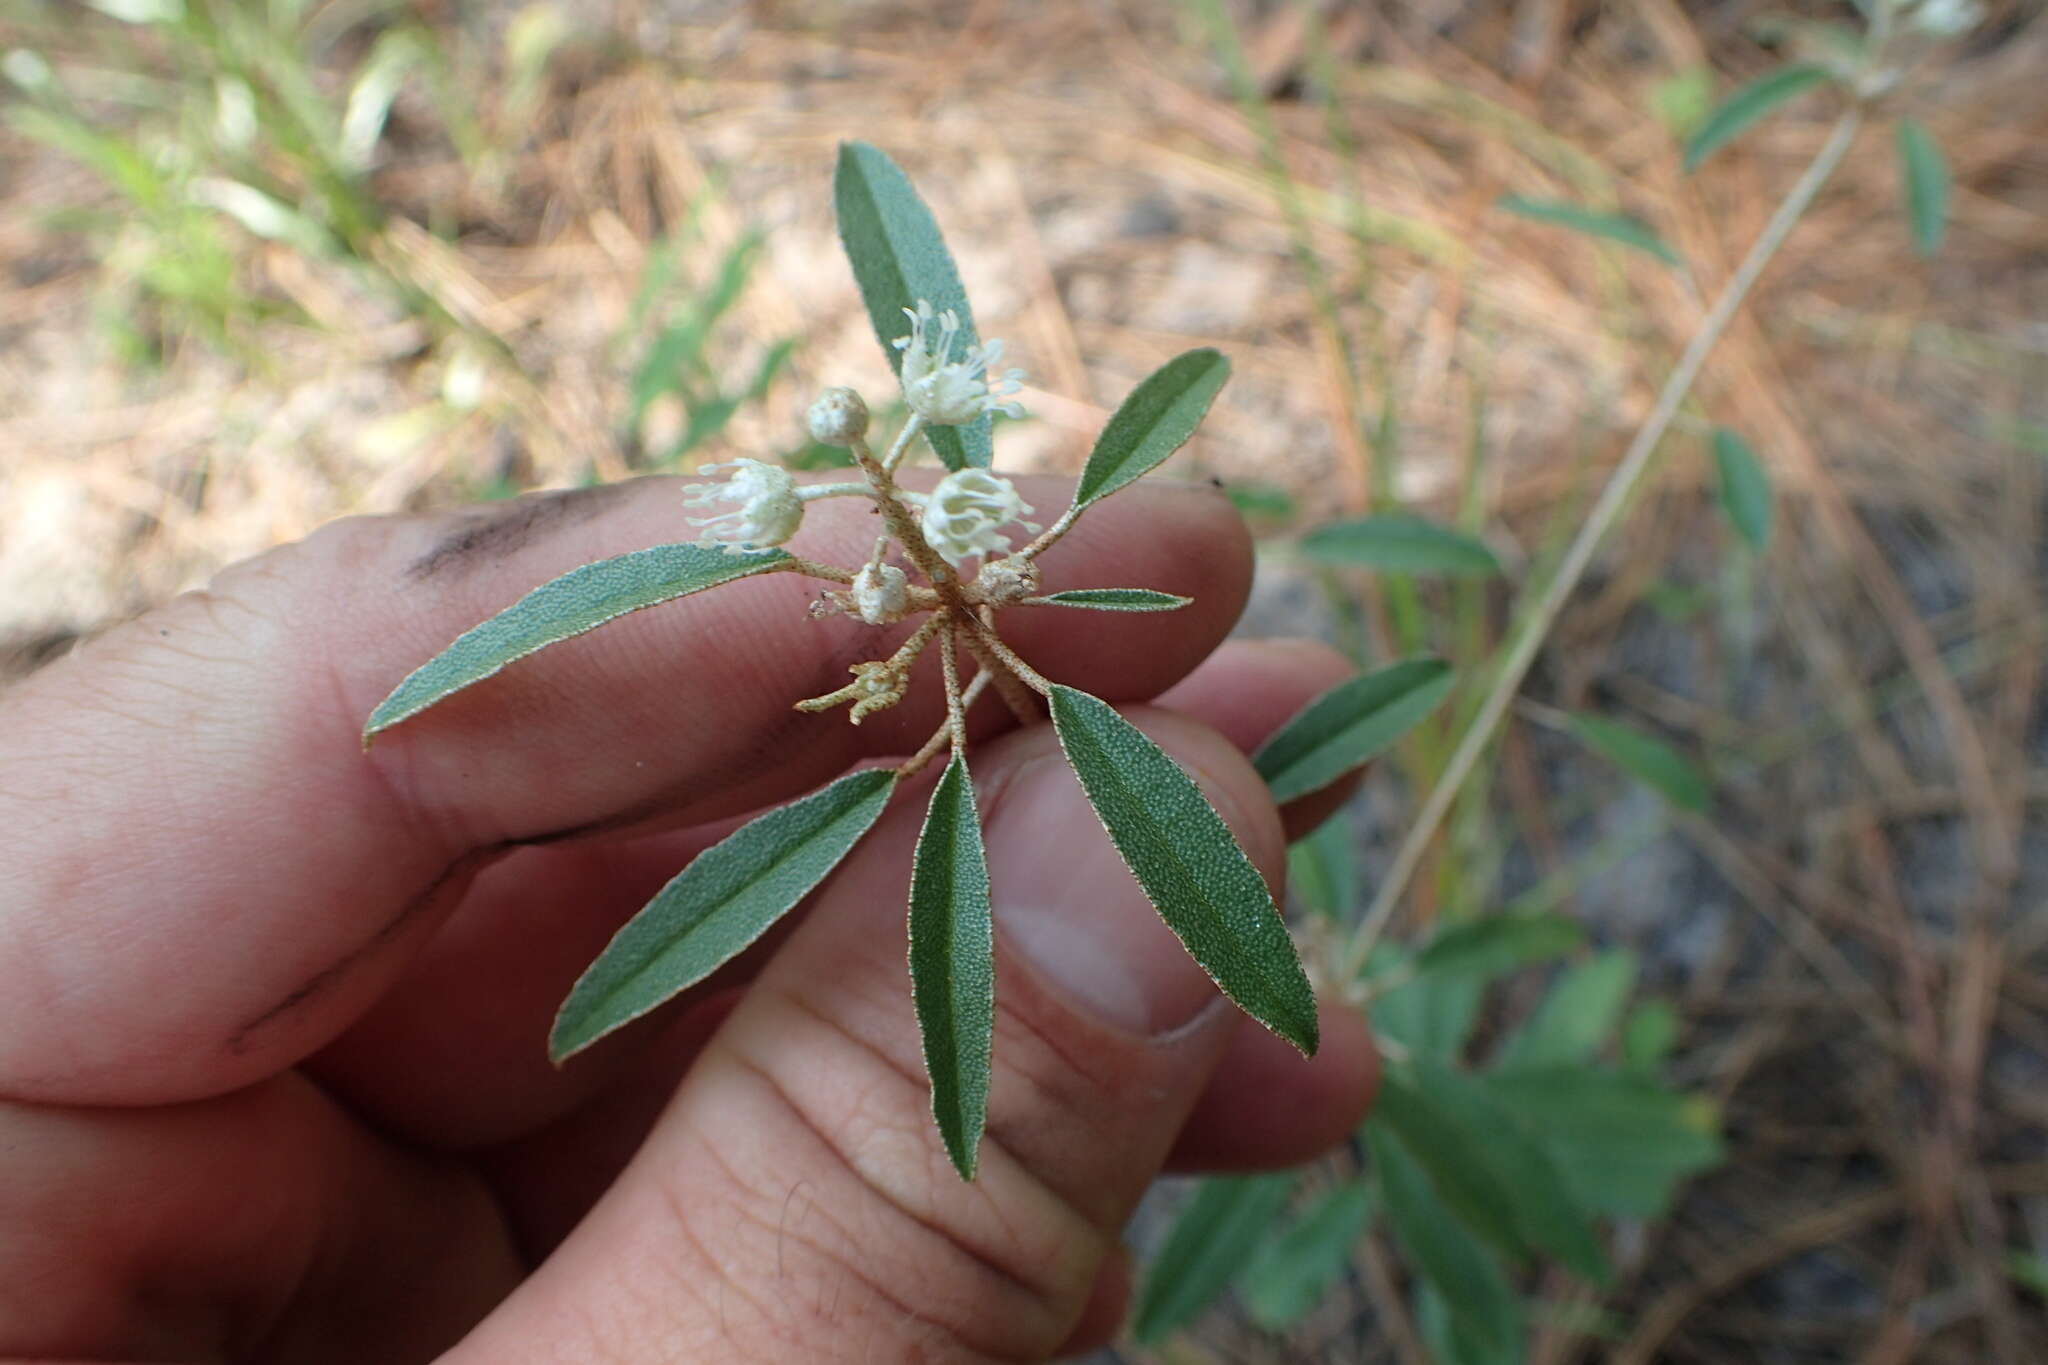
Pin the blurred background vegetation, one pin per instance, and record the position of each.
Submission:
(1766, 826)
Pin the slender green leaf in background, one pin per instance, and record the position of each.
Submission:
(1398, 543)
(1323, 869)
(1621, 1140)
(1348, 724)
(1734, 115)
(1430, 1016)
(1614, 227)
(952, 963)
(677, 354)
(1296, 1266)
(898, 258)
(1745, 487)
(1262, 500)
(1497, 944)
(1211, 1242)
(1447, 1255)
(1156, 419)
(1115, 599)
(1647, 759)
(1578, 1014)
(1455, 1158)
(723, 901)
(1451, 1342)
(1189, 863)
(582, 599)
(1649, 1035)
(1476, 1133)
(1924, 172)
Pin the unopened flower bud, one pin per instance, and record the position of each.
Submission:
(1007, 580)
(838, 418)
(881, 594)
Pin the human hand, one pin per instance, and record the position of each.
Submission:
(273, 1013)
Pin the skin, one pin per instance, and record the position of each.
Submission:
(272, 1011)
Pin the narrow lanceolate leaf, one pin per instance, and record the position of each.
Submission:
(1614, 227)
(1647, 759)
(724, 900)
(1399, 543)
(1295, 1268)
(898, 257)
(1190, 865)
(1496, 944)
(1153, 422)
(1734, 115)
(1210, 1242)
(952, 963)
(581, 599)
(1745, 487)
(1350, 723)
(1468, 1277)
(1924, 172)
(1114, 599)
(1580, 1013)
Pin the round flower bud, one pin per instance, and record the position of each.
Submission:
(881, 594)
(1007, 580)
(838, 418)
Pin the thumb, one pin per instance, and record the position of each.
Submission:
(795, 1202)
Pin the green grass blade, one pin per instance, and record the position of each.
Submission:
(1924, 172)
(1115, 599)
(1647, 759)
(1614, 227)
(1398, 543)
(1189, 863)
(898, 257)
(1745, 487)
(582, 599)
(1152, 422)
(952, 963)
(727, 897)
(1209, 1244)
(1734, 115)
(1350, 723)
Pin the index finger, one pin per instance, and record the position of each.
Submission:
(208, 879)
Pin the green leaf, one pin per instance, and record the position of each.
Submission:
(898, 258)
(1649, 1035)
(1155, 420)
(1683, 99)
(952, 963)
(1745, 487)
(1647, 759)
(725, 899)
(1614, 227)
(1348, 724)
(582, 599)
(1578, 1014)
(1493, 945)
(1114, 599)
(1209, 1244)
(1468, 1276)
(1431, 1016)
(1323, 869)
(1189, 863)
(1621, 1140)
(1297, 1266)
(1924, 171)
(1476, 1144)
(1456, 1159)
(1746, 106)
(1398, 543)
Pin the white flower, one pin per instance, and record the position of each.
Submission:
(766, 506)
(950, 392)
(965, 514)
(881, 594)
(1947, 18)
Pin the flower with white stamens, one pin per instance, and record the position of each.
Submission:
(765, 507)
(965, 514)
(950, 392)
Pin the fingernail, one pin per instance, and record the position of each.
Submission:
(1065, 903)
